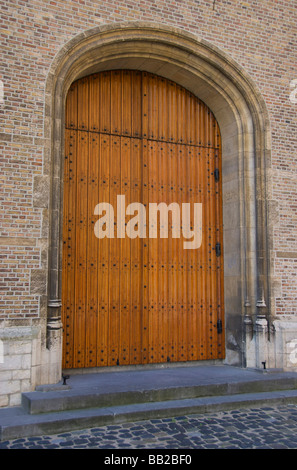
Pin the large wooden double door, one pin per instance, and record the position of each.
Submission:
(142, 299)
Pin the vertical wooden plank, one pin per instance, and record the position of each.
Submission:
(69, 222)
(81, 249)
(186, 256)
(190, 272)
(125, 265)
(145, 106)
(173, 261)
(145, 247)
(92, 251)
(71, 107)
(173, 258)
(187, 118)
(162, 130)
(206, 129)
(191, 119)
(114, 255)
(198, 254)
(207, 313)
(179, 248)
(83, 104)
(196, 122)
(176, 255)
(105, 310)
(172, 110)
(192, 278)
(153, 242)
(180, 113)
(201, 255)
(170, 266)
(204, 264)
(167, 253)
(162, 261)
(212, 255)
(213, 277)
(153, 258)
(205, 259)
(103, 324)
(182, 197)
(206, 126)
(220, 259)
(71, 264)
(196, 261)
(152, 106)
(136, 287)
(201, 123)
(116, 102)
(145, 242)
(64, 314)
(217, 136)
(127, 102)
(212, 129)
(94, 102)
(136, 108)
(105, 102)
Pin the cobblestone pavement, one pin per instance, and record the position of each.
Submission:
(271, 427)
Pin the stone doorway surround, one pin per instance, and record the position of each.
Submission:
(240, 110)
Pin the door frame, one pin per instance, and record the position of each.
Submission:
(240, 110)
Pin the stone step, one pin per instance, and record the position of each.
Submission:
(132, 387)
(16, 423)
(94, 397)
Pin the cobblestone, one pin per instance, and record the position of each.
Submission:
(273, 427)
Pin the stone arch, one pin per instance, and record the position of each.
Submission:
(239, 108)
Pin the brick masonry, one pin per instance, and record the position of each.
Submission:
(260, 36)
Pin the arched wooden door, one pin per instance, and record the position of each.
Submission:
(145, 299)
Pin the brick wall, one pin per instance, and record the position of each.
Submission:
(260, 36)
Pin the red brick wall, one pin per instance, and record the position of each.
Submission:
(260, 35)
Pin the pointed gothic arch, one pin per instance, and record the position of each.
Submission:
(241, 113)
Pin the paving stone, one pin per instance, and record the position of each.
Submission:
(261, 428)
